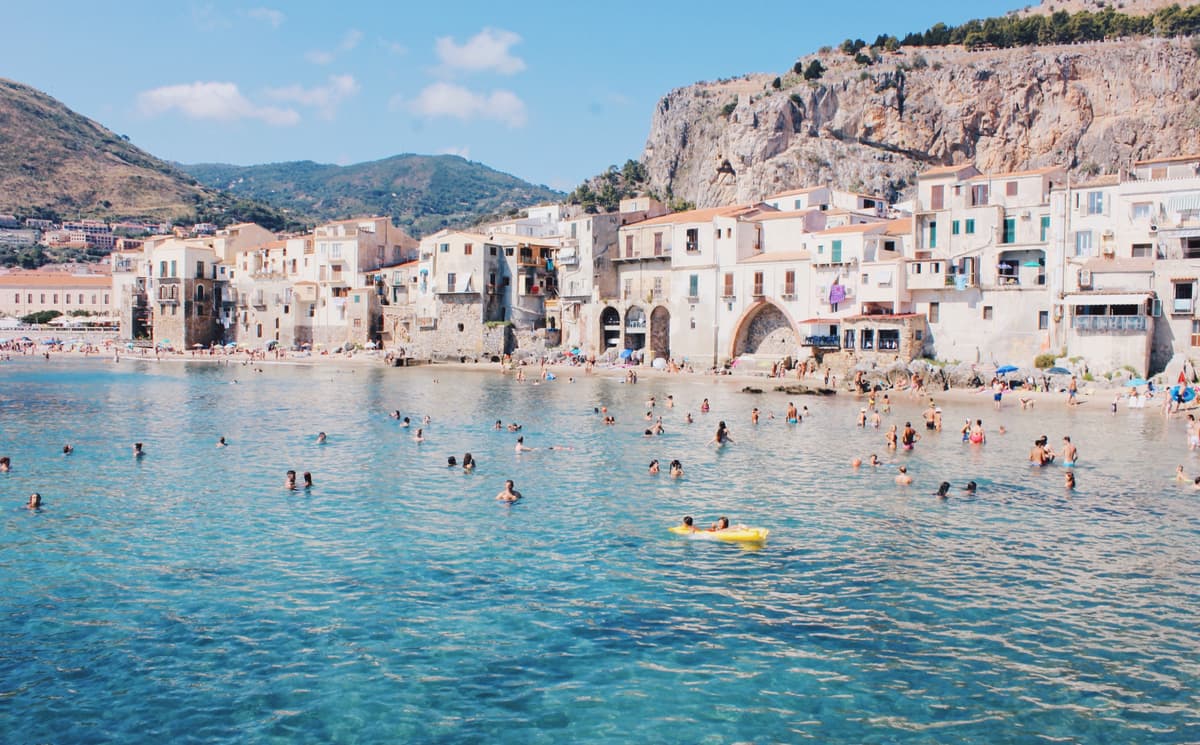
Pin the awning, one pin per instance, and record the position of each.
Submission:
(466, 283)
(1128, 298)
(1184, 202)
(884, 276)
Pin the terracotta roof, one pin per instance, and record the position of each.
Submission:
(794, 192)
(822, 320)
(784, 215)
(863, 227)
(901, 226)
(945, 170)
(414, 262)
(47, 279)
(768, 257)
(1016, 174)
(704, 215)
(1111, 179)
(1172, 159)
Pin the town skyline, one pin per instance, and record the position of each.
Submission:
(519, 91)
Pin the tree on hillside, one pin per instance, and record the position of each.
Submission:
(814, 71)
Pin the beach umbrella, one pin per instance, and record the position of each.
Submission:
(626, 354)
(1135, 382)
(1006, 369)
(1058, 371)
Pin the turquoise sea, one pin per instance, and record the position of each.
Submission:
(187, 597)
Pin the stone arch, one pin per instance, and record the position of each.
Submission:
(660, 333)
(636, 327)
(765, 328)
(610, 328)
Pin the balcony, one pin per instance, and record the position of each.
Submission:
(1109, 324)
(822, 342)
(788, 292)
(692, 247)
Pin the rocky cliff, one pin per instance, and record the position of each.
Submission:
(1095, 107)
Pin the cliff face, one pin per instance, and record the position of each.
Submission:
(1090, 106)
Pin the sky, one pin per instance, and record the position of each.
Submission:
(552, 92)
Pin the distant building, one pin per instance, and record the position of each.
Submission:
(22, 293)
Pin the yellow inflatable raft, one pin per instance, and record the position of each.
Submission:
(733, 535)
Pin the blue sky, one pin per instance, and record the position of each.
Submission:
(552, 92)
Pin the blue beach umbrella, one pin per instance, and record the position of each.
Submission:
(1184, 394)
(1134, 383)
(1058, 371)
(1006, 369)
(626, 354)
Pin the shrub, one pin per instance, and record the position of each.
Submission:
(42, 316)
(777, 83)
(814, 71)
(728, 108)
(1045, 361)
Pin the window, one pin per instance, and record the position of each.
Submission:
(915, 268)
(728, 291)
(868, 338)
(491, 250)
(693, 239)
(889, 339)
(798, 204)
(444, 248)
(933, 235)
(1010, 189)
(1196, 333)
(162, 268)
(508, 250)
(105, 299)
(1010, 230)
(173, 274)
(789, 282)
(1141, 211)
(1083, 243)
(970, 226)
(865, 279)
(987, 312)
(658, 285)
(629, 246)
(658, 244)
(56, 298)
(1043, 320)
(468, 249)
(17, 298)
(312, 310)
(835, 253)
(258, 329)
(1095, 203)
(954, 227)
(627, 288)
(1158, 173)
(1142, 250)
(1045, 228)
(937, 197)
(199, 270)
(451, 278)
(979, 195)
(848, 339)
(758, 284)
(694, 286)
(67, 299)
(1184, 293)
(462, 327)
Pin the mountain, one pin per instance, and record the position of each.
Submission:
(424, 192)
(867, 118)
(57, 163)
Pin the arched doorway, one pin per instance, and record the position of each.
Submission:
(660, 333)
(635, 328)
(610, 328)
(765, 330)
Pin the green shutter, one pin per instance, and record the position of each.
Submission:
(1045, 227)
(970, 227)
(933, 235)
(954, 228)
(694, 285)
(837, 252)
(1010, 230)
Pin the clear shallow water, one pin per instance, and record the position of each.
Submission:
(188, 597)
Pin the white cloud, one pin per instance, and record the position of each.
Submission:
(323, 98)
(211, 100)
(270, 16)
(462, 151)
(350, 39)
(317, 57)
(486, 50)
(205, 17)
(447, 99)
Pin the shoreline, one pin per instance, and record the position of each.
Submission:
(1091, 392)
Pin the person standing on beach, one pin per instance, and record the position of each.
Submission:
(1072, 391)
(997, 392)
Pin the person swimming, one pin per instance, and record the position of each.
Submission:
(722, 435)
(405, 422)
(308, 482)
(67, 449)
(722, 523)
(1069, 480)
(5, 464)
(35, 501)
(509, 494)
(943, 490)
(1180, 476)
(688, 418)
(902, 478)
(468, 462)
(970, 487)
(395, 414)
(689, 524)
(521, 447)
(676, 469)
(704, 407)
(498, 425)
(654, 466)
(451, 462)
(138, 452)
(321, 438)
(221, 442)
(289, 481)
(419, 436)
